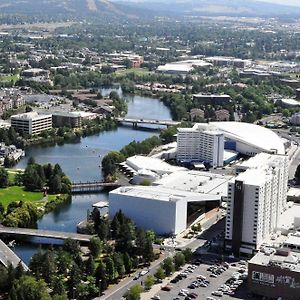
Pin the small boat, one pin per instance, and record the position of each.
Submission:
(11, 244)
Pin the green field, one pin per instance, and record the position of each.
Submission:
(17, 193)
(137, 71)
(8, 78)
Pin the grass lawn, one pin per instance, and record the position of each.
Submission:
(16, 193)
(137, 71)
(12, 77)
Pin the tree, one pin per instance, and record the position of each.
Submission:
(90, 266)
(127, 263)
(179, 260)
(160, 273)
(134, 293)
(3, 178)
(168, 266)
(149, 282)
(110, 269)
(187, 254)
(29, 288)
(95, 246)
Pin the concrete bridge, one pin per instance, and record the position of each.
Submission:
(136, 121)
(18, 232)
(92, 187)
(7, 257)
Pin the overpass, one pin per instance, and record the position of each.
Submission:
(19, 232)
(7, 257)
(92, 187)
(136, 121)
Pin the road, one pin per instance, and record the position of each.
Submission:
(7, 256)
(120, 289)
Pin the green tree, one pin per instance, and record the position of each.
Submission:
(187, 254)
(3, 178)
(134, 293)
(95, 246)
(168, 266)
(160, 273)
(179, 260)
(149, 282)
(127, 263)
(90, 266)
(29, 288)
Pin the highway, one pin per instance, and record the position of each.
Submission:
(7, 256)
(45, 234)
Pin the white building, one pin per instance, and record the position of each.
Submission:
(164, 206)
(200, 144)
(256, 199)
(31, 123)
(160, 210)
(205, 141)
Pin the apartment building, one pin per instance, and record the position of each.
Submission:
(256, 199)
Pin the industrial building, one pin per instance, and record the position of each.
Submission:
(202, 143)
(256, 200)
(31, 123)
(275, 274)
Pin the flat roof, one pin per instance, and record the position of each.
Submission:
(196, 181)
(269, 259)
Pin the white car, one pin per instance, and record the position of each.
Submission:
(156, 297)
(217, 293)
(144, 272)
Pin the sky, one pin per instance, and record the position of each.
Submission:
(285, 2)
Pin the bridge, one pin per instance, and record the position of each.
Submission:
(136, 121)
(92, 187)
(7, 257)
(19, 232)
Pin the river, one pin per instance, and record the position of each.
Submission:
(82, 162)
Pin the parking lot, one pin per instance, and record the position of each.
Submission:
(202, 292)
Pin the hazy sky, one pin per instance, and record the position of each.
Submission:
(285, 2)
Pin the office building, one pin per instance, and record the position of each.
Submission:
(31, 123)
(200, 144)
(256, 200)
(61, 119)
(275, 274)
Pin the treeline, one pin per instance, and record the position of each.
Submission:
(37, 177)
(167, 268)
(112, 159)
(119, 250)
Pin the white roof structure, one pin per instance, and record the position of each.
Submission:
(159, 193)
(155, 165)
(290, 102)
(253, 135)
(197, 182)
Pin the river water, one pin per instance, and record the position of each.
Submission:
(82, 162)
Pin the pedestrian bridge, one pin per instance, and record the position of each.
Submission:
(94, 186)
(19, 232)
